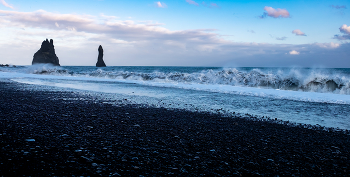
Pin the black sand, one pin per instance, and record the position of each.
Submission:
(84, 138)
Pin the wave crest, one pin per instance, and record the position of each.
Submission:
(47, 69)
(293, 79)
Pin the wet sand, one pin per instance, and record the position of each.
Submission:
(42, 134)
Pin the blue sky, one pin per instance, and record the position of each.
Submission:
(179, 32)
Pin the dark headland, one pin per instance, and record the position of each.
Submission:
(46, 54)
(100, 62)
(7, 65)
(61, 133)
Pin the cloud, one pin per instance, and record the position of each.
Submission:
(5, 4)
(251, 31)
(330, 45)
(211, 5)
(338, 7)
(128, 42)
(294, 52)
(281, 38)
(214, 5)
(343, 29)
(125, 30)
(42, 17)
(298, 32)
(106, 17)
(192, 2)
(161, 4)
(341, 37)
(275, 13)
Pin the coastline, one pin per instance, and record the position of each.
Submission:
(44, 135)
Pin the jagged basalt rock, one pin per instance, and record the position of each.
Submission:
(100, 62)
(46, 54)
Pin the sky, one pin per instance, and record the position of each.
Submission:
(223, 33)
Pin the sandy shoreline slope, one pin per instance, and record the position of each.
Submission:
(44, 135)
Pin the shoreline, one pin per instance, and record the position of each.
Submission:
(44, 135)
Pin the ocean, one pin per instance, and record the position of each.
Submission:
(315, 96)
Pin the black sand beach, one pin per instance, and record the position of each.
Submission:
(42, 134)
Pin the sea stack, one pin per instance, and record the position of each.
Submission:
(100, 62)
(46, 54)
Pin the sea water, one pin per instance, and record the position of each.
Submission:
(316, 96)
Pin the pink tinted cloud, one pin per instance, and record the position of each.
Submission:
(328, 45)
(192, 2)
(211, 5)
(338, 7)
(5, 4)
(342, 37)
(345, 29)
(294, 52)
(125, 30)
(161, 4)
(275, 13)
(298, 32)
(214, 5)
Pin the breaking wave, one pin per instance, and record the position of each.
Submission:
(291, 79)
(47, 69)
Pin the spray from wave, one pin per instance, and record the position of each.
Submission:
(47, 69)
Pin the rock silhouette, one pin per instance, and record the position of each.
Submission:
(46, 54)
(100, 62)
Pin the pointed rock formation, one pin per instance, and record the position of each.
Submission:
(46, 54)
(100, 62)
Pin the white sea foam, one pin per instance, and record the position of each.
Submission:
(283, 79)
(52, 80)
